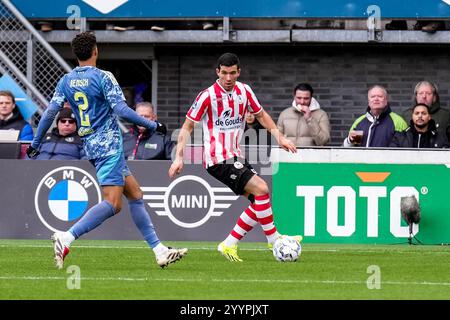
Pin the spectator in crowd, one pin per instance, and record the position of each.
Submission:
(376, 128)
(426, 92)
(129, 95)
(142, 144)
(304, 123)
(251, 122)
(254, 132)
(256, 135)
(63, 142)
(421, 133)
(11, 118)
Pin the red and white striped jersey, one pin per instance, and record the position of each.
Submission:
(223, 117)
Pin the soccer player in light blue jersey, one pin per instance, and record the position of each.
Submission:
(97, 99)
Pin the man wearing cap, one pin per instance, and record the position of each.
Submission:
(63, 142)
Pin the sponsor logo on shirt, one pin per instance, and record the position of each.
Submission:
(226, 122)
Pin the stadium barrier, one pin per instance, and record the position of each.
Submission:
(329, 195)
(40, 197)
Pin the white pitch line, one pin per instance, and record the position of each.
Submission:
(342, 250)
(144, 247)
(337, 282)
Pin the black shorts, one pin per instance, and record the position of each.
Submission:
(235, 174)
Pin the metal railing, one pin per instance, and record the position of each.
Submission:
(28, 58)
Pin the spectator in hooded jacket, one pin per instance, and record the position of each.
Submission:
(63, 142)
(422, 132)
(378, 124)
(304, 122)
(11, 118)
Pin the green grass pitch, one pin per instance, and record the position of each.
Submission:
(127, 270)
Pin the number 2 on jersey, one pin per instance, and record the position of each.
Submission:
(82, 106)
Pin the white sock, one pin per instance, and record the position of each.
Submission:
(230, 241)
(160, 249)
(68, 238)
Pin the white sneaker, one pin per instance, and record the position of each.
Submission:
(60, 250)
(170, 256)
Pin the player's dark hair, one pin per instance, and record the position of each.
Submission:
(227, 60)
(83, 45)
(304, 87)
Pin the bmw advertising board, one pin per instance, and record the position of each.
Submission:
(47, 196)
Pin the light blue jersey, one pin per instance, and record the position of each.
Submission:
(93, 93)
(97, 100)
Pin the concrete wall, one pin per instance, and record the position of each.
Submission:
(340, 76)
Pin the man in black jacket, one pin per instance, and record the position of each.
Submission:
(422, 132)
(142, 144)
(11, 118)
(63, 142)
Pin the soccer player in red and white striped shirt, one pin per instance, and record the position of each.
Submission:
(221, 108)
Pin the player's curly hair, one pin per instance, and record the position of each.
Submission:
(83, 45)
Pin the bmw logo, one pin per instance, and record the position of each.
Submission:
(64, 195)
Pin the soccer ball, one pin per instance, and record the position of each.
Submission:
(286, 249)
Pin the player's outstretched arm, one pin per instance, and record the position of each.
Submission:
(183, 138)
(44, 124)
(125, 112)
(266, 121)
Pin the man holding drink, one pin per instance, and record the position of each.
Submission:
(378, 125)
